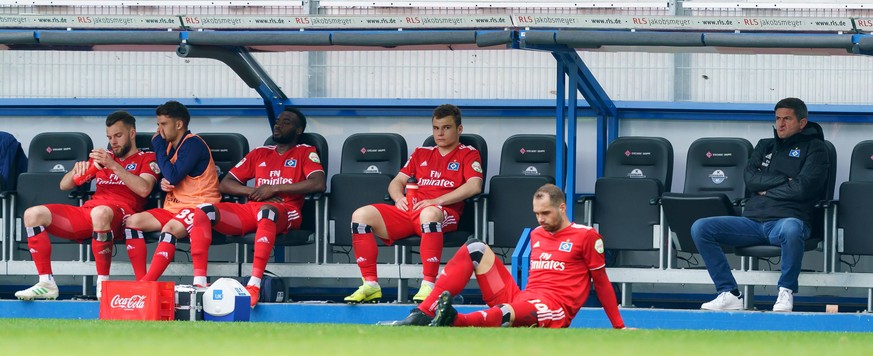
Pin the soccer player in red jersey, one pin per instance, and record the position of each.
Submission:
(446, 175)
(565, 259)
(124, 180)
(283, 175)
(190, 179)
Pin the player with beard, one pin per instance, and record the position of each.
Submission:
(565, 259)
(125, 178)
(283, 175)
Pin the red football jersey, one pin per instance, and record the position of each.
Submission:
(266, 166)
(111, 189)
(437, 174)
(560, 264)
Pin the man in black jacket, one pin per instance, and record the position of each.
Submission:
(786, 176)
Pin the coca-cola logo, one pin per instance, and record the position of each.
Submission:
(133, 302)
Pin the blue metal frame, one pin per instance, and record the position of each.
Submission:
(521, 259)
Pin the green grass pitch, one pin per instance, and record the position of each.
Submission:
(94, 337)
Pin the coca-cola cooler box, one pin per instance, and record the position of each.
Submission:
(130, 300)
(189, 302)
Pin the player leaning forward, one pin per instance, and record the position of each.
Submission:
(125, 178)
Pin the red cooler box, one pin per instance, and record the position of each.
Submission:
(130, 300)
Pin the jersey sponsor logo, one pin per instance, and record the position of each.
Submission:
(291, 163)
(794, 153)
(545, 262)
(445, 183)
(314, 157)
(536, 244)
(565, 246)
(477, 167)
(273, 181)
(454, 166)
(423, 164)
(154, 167)
(113, 180)
(263, 164)
(130, 167)
(240, 163)
(598, 246)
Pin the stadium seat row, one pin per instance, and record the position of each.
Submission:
(632, 205)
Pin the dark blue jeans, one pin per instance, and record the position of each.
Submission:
(789, 233)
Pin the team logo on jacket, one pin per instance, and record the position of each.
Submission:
(794, 153)
(454, 166)
(565, 246)
(314, 157)
(291, 163)
(130, 167)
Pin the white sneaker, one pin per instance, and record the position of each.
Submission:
(724, 301)
(41, 290)
(785, 301)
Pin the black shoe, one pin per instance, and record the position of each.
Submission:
(415, 318)
(445, 312)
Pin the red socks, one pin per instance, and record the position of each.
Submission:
(40, 249)
(492, 317)
(201, 239)
(164, 254)
(453, 279)
(101, 246)
(265, 239)
(431, 250)
(136, 251)
(366, 251)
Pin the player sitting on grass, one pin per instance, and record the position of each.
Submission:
(565, 258)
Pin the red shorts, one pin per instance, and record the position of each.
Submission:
(530, 307)
(74, 222)
(184, 216)
(240, 219)
(403, 224)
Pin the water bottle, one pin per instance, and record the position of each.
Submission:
(411, 192)
(88, 175)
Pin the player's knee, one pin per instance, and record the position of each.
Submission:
(210, 211)
(431, 214)
(135, 221)
(476, 249)
(364, 215)
(268, 212)
(101, 215)
(36, 216)
(176, 228)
